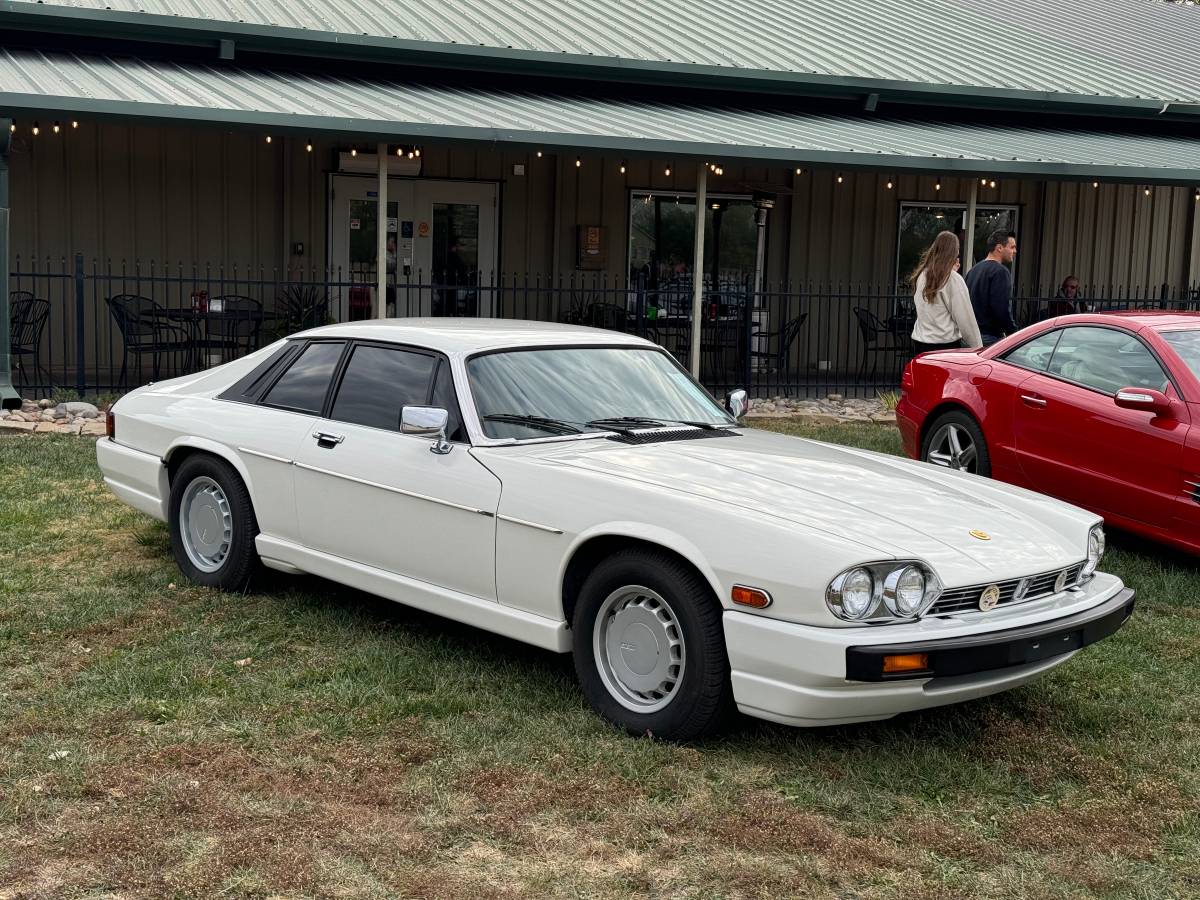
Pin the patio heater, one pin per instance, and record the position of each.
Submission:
(9, 398)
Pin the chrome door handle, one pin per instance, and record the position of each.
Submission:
(1033, 401)
(327, 440)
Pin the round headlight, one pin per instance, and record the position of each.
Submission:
(858, 593)
(1095, 551)
(904, 591)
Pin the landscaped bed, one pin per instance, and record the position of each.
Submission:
(304, 739)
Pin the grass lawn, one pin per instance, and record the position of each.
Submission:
(306, 740)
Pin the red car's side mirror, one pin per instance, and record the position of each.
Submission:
(1146, 399)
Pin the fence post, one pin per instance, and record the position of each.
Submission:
(80, 344)
(752, 300)
(639, 307)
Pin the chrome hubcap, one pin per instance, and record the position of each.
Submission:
(639, 648)
(205, 524)
(953, 448)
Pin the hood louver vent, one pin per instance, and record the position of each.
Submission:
(662, 435)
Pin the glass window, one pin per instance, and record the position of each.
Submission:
(1187, 345)
(921, 223)
(303, 386)
(455, 259)
(1106, 359)
(583, 384)
(1035, 354)
(444, 397)
(662, 239)
(379, 381)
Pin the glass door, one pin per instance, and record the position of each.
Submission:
(441, 247)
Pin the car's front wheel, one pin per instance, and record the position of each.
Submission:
(955, 440)
(649, 647)
(212, 524)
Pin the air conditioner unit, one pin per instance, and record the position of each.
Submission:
(367, 163)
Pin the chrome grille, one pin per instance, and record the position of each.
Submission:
(965, 599)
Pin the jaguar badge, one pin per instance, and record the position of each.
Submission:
(981, 535)
(990, 597)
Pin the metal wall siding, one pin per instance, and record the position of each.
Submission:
(147, 87)
(1113, 48)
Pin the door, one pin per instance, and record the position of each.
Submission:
(441, 246)
(1074, 442)
(367, 493)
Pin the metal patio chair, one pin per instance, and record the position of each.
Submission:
(785, 337)
(877, 338)
(27, 317)
(237, 327)
(146, 331)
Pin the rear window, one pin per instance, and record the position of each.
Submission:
(306, 382)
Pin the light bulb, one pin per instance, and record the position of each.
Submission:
(308, 146)
(56, 128)
(36, 130)
(354, 151)
(667, 171)
(799, 171)
(578, 162)
(74, 124)
(983, 181)
(840, 179)
(268, 139)
(1095, 184)
(410, 154)
(622, 167)
(889, 184)
(1147, 192)
(399, 151)
(539, 154)
(937, 185)
(991, 184)
(416, 151)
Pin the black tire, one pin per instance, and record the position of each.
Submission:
(240, 561)
(966, 422)
(701, 700)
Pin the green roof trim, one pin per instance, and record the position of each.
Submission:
(1131, 57)
(280, 101)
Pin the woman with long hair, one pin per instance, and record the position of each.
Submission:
(945, 317)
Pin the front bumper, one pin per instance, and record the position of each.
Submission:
(809, 676)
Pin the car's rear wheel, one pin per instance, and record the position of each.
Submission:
(212, 524)
(649, 648)
(955, 440)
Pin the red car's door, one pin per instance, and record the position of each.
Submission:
(1074, 442)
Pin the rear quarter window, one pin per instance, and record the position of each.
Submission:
(305, 384)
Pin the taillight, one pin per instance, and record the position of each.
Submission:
(110, 424)
(906, 380)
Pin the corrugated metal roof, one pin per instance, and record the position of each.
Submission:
(1132, 49)
(380, 109)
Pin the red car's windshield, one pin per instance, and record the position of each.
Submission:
(1187, 345)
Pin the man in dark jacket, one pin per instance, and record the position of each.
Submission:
(990, 284)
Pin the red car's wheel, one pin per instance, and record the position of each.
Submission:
(955, 440)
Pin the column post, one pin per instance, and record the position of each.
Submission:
(381, 273)
(698, 269)
(9, 398)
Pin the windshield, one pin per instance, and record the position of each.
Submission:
(1187, 345)
(541, 393)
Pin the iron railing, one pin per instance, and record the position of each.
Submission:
(112, 327)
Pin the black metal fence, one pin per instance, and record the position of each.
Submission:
(94, 328)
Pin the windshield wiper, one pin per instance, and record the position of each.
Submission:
(554, 426)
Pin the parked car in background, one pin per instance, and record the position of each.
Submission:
(1095, 409)
(576, 489)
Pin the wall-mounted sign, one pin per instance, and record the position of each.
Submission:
(590, 244)
(423, 229)
(355, 224)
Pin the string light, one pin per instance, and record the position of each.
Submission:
(36, 129)
(578, 162)
(890, 184)
(539, 154)
(410, 154)
(983, 181)
(417, 151)
(840, 179)
(667, 170)
(74, 124)
(622, 167)
(399, 151)
(1095, 184)
(12, 127)
(1147, 192)
(56, 128)
(799, 171)
(268, 139)
(308, 145)
(937, 185)
(354, 151)
(991, 184)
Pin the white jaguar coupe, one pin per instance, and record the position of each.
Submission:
(576, 489)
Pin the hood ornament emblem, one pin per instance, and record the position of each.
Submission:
(980, 535)
(990, 597)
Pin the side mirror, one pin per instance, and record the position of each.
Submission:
(736, 403)
(1145, 399)
(429, 420)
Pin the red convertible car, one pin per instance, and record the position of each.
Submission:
(1101, 410)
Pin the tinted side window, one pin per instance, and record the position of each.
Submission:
(1106, 359)
(443, 396)
(303, 386)
(378, 382)
(1035, 354)
(251, 385)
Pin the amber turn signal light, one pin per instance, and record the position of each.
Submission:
(748, 596)
(905, 662)
(110, 424)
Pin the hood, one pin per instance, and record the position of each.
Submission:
(892, 506)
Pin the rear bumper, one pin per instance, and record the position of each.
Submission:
(799, 674)
(908, 421)
(138, 478)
